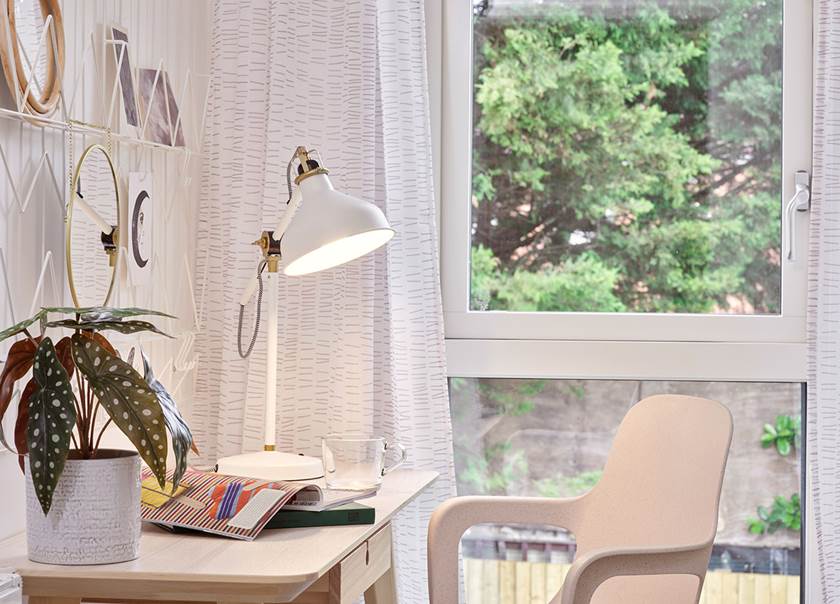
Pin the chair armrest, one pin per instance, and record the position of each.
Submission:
(456, 515)
(595, 567)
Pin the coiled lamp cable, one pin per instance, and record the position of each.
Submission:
(246, 353)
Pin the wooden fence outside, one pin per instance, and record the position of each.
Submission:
(511, 582)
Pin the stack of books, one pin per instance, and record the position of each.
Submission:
(238, 507)
(350, 513)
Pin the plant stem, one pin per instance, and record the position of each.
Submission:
(82, 419)
(78, 403)
(29, 336)
(101, 432)
(89, 406)
(92, 401)
(93, 426)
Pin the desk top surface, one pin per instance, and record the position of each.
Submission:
(277, 556)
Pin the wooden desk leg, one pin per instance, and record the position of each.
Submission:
(384, 589)
(53, 600)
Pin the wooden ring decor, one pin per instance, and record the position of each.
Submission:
(113, 236)
(13, 66)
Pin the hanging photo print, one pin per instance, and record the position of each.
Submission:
(159, 109)
(140, 212)
(126, 79)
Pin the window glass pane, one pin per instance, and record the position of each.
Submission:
(626, 156)
(551, 438)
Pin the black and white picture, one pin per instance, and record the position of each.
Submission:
(140, 213)
(121, 59)
(160, 109)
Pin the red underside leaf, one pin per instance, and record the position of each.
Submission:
(18, 362)
(102, 341)
(23, 421)
(64, 352)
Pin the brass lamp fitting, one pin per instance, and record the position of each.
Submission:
(270, 248)
(308, 165)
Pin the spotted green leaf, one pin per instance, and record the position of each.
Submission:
(120, 326)
(182, 439)
(52, 415)
(19, 327)
(105, 313)
(127, 399)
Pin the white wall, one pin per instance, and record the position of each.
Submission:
(176, 32)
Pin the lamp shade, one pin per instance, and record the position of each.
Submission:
(330, 228)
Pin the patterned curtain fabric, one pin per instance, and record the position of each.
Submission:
(824, 303)
(361, 346)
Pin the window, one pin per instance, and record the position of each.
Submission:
(622, 161)
(550, 438)
(612, 158)
(615, 178)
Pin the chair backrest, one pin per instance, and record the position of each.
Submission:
(662, 481)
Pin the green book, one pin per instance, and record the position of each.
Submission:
(343, 515)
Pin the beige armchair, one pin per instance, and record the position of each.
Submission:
(644, 533)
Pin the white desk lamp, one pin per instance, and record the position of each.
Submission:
(320, 229)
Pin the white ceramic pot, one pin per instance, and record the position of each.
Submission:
(95, 513)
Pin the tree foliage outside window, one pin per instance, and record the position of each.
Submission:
(627, 159)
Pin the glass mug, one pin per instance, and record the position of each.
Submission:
(357, 464)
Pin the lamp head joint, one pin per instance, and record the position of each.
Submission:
(309, 166)
(270, 248)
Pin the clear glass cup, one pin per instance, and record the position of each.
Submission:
(357, 464)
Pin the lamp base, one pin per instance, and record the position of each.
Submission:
(272, 465)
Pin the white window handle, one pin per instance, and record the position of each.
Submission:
(800, 202)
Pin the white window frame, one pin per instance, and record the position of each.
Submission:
(614, 345)
(745, 347)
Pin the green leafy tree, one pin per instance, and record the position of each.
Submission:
(581, 284)
(496, 471)
(602, 181)
(568, 486)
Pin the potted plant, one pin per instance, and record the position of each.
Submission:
(83, 501)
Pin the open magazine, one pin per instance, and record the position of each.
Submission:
(231, 506)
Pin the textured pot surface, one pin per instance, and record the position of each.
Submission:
(95, 513)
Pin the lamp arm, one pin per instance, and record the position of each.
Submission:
(256, 280)
(286, 219)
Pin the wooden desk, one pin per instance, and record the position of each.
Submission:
(330, 565)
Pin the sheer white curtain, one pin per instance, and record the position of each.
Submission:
(824, 304)
(361, 346)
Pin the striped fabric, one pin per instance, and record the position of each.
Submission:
(361, 346)
(824, 305)
(226, 500)
(229, 499)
